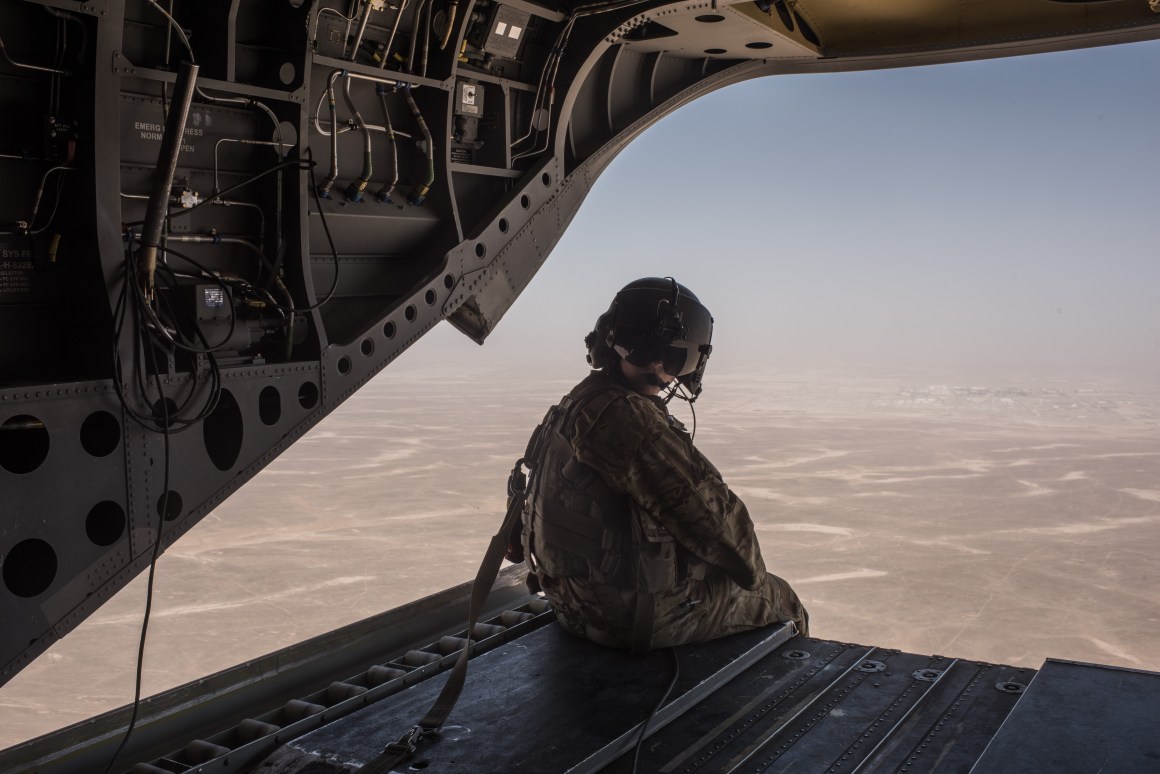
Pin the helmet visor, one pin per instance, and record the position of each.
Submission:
(674, 359)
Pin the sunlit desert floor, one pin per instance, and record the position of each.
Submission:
(1000, 521)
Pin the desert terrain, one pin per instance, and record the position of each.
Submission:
(1004, 520)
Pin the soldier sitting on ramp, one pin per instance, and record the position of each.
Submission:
(629, 530)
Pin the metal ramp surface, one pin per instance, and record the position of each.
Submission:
(758, 701)
(1081, 718)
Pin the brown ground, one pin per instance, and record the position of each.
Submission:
(1005, 523)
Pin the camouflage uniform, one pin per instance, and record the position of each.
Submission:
(634, 536)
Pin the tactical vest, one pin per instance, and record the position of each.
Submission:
(576, 526)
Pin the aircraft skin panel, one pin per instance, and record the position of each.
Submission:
(447, 169)
(850, 26)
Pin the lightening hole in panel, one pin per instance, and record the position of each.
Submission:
(480, 249)
(410, 313)
(759, 44)
(169, 505)
(105, 523)
(389, 330)
(546, 179)
(367, 347)
(308, 395)
(525, 202)
(224, 429)
(29, 568)
(269, 405)
(23, 444)
(289, 134)
(344, 365)
(448, 281)
(165, 412)
(503, 225)
(429, 297)
(710, 18)
(714, 51)
(100, 433)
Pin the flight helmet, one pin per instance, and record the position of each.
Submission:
(655, 319)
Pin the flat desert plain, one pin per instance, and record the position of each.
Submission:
(1004, 520)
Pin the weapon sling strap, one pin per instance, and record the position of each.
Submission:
(396, 752)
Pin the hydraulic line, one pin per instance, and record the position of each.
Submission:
(426, 36)
(40, 193)
(217, 239)
(361, 184)
(451, 12)
(328, 183)
(418, 196)
(246, 102)
(384, 193)
(374, 79)
(362, 28)
(416, 29)
(354, 191)
(317, 16)
(277, 142)
(217, 147)
(546, 88)
(175, 27)
(23, 65)
(391, 39)
(171, 140)
(68, 17)
(318, 127)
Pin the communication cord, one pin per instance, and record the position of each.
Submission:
(162, 511)
(644, 726)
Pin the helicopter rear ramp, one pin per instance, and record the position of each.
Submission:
(760, 701)
(539, 699)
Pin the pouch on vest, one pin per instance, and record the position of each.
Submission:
(576, 521)
(657, 562)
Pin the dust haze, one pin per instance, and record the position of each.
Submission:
(997, 519)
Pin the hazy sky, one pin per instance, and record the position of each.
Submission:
(987, 215)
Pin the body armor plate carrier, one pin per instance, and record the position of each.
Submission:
(578, 527)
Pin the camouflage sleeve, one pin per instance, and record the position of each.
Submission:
(629, 441)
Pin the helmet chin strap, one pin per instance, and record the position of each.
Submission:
(668, 389)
